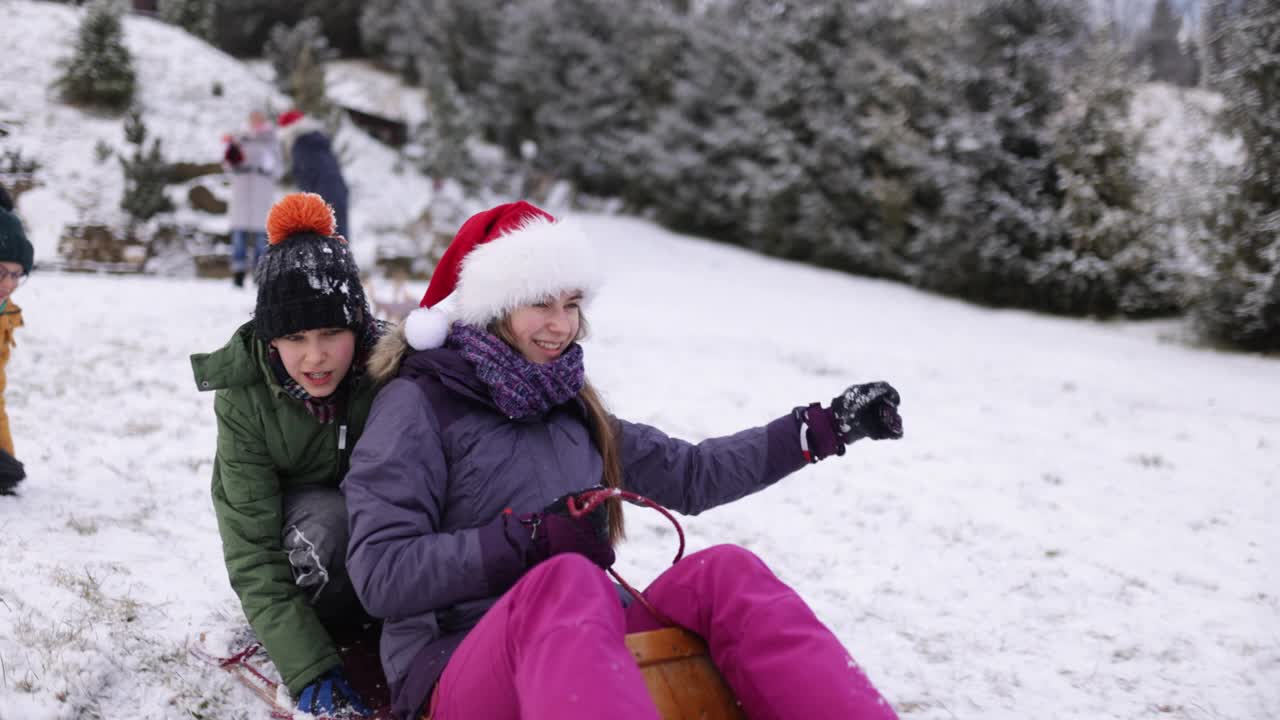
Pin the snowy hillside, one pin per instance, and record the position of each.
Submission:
(177, 75)
(1080, 523)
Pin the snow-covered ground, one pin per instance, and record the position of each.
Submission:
(1079, 524)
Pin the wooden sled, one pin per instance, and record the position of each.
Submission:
(675, 663)
(684, 683)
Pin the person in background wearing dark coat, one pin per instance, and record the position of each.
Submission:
(309, 155)
(16, 258)
(494, 594)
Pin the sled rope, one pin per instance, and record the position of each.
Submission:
(591, 499)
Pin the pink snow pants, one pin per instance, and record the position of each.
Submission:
(553, 646)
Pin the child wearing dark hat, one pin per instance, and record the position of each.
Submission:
(291, 400)
(16, 256)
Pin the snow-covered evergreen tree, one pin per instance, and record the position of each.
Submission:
(1160, 47)
(700, 162)
(579, 78)
(1240, 302)
(461, 36)
(194, 16)
(386, 34)
(1001, 201)
(862, 120)
(100, 70)
(145, 173)
(1115, 260)
(298, 55)
(446, 136)
(1214, 19)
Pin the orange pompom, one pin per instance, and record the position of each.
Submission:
(300, 212)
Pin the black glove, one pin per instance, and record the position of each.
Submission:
(11, 473)
(869, 410)
(554, 531)
(233, 155)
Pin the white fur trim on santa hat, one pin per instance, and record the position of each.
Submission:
(538, 259)
(426, 328)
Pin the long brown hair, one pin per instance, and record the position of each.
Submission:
(600, 425)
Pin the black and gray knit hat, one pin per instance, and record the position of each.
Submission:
(14, 245)
(308, 278)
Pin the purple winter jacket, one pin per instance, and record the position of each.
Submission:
(438, 461)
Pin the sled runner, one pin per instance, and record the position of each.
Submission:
(251, 667)
(677, 669)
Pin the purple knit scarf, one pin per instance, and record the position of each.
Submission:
(520, 388)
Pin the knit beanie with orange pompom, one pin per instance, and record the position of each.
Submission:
(308, 278)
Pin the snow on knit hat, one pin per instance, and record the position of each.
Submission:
(511, 255)
(14, 245)
(308, 278)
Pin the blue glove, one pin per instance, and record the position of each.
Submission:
(330, 695)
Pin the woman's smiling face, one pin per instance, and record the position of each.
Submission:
(542, 331)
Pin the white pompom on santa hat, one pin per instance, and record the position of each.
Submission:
(511, 255)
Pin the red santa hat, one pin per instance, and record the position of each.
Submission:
(289, 117)
(511, 255)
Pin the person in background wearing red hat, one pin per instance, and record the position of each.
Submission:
(310, 158)
(253, 160)
(493, 593)
(291, 399)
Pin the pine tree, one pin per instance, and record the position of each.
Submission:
(1160, 47)
(194, 16)
(1115, 260)
(446, 135)
(578, 78)
(1214, 19)
(298, 55)
(1001, 199)
(145, 174)
(848, 90)
(387, 35)
(1240, 302)
(701, 160)
(100, 72)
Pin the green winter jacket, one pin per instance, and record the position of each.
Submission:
(268, 444)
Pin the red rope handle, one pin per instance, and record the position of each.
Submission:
(592, 499)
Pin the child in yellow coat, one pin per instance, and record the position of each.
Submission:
(16, 256)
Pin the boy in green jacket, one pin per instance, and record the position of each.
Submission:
(291, 400)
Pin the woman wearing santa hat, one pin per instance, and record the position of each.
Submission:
(495, 596)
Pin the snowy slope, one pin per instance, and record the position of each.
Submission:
(1080, 523)
(176, 77)
(358, 84)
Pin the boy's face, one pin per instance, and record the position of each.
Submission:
(11, 276)
(317, 359)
